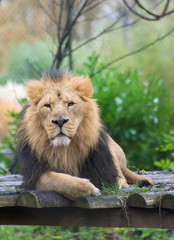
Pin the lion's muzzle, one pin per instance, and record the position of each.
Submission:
(60, 120)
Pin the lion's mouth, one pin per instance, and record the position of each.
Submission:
(61, 139)
(61, 134)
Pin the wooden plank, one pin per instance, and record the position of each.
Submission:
(42, 199)
(68, 216)
(144, 200)
(10, 178)
(99, 202)
(71, 216)
(8, 200)
(161, 177)
(167, 200)
(8, 191)
(155, 173)
(10, 184)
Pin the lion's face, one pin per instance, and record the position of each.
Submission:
(60, 106)
(60, 111)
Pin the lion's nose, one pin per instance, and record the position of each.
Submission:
(60, 121)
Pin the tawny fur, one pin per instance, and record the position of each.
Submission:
(51, 99)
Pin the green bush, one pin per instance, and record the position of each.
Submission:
(81, 233)
(165, 151)
(26, 61)
(10, 141)
(135, 110)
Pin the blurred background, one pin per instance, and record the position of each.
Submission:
(127, 50)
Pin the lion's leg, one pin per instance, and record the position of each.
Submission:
(70, 186)
(122, 180)
(113, 150)
(126, 176)
(132, 177)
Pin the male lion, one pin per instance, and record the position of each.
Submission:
(62, 142)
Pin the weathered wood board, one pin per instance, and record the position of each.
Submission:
(131, 207)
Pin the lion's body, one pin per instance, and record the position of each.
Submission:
(61, 140)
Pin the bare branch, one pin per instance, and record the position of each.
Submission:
(170, 12)
(136, 13)
(146, 10)
(76, 17)
(166, 7)
(60, 54)
(59, 20)
(44, 10)
(95, 18)
(135, 51)
(151, 16)
(69, 12)
(106, 30)
(94, 6)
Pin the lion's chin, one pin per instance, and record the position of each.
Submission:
(61, 141)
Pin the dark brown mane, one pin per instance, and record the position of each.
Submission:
(54, 75)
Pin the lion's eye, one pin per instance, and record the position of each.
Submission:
(47, 105)
(70, 104)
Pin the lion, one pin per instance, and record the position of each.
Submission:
(62, 143)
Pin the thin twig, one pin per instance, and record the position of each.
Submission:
(93, 6)
(136, 13)
(134, 52)
(146, 10)
(59, 20)
(153, 16)
(44, 10)
(67, 30)
(106, 30)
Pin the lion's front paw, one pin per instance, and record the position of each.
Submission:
(123, 183)
(81, 188)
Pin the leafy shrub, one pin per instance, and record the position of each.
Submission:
(166, 152)
(82, 233)
(135, 110)
(9, 142)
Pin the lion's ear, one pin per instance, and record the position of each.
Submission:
(83, 86)
(35, 90)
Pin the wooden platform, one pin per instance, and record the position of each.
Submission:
(133, 207)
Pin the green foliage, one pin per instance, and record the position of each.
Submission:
(145, 234)
(114, 190)
(135, 110)
(165, 164)
(81, 233)
(166, 152)
(26, 61)
(58, 233)
(9, 142)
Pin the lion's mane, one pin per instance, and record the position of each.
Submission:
(87, 155)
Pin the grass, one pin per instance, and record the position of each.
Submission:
(81, 233)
